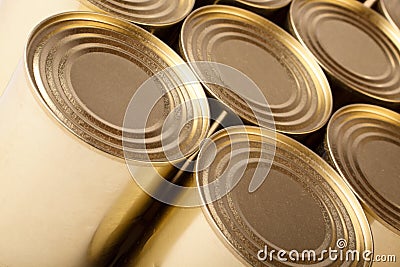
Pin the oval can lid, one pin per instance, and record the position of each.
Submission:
(302, 204)
(85, 69)
(293, 84)
(364, 145)
(354, 44)
(151, 13)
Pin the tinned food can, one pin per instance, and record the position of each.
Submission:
(356, 46)
(66, 147)
(160, 17)
(363, 144)
(294, 86)
(301, 211)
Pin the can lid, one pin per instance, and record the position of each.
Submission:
(151, 13)
(364, 145)
(391, 10)
(265, 4)
(85, 69)
(287, 75)
(353, 43)
(302, 205)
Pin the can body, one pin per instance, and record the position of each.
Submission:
(193, 243)
(56, 189)
(386, 243)
(63, 166)
(18, 17)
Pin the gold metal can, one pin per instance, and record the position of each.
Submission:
(65, 146)
(358, 48)
(302, 205)
(295, 87)
(159, 17)
(391, 10)
(363, 144)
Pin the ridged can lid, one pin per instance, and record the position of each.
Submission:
(295, 87)
(85, 69)
(354, 44)
(150, 13)
(302, 205)
(364, 145)
(391, 10)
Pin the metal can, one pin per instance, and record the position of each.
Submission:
(302, 205)
(295, 87)
(391, 10)
(363, 144)
(358, 49)
(158, 17)
(64, 159)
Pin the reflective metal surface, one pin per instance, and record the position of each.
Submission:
(86, 67)
(303, 204)
(391, 10)
(63, 166)
(357, 47)
(364, 145)
(292, 82)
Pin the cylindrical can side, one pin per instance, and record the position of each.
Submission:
(386, 243)
(17, 19)
(57, 188)
(55, 141)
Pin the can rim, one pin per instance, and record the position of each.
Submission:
(376, 110)
(304, 55)
(40, 92)
(378, 20)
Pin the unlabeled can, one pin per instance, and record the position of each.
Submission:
(363, 144)
(302, 205)
(293, 84)
(357, 47)
(391, 10)
(18, 17)
(64, 146)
